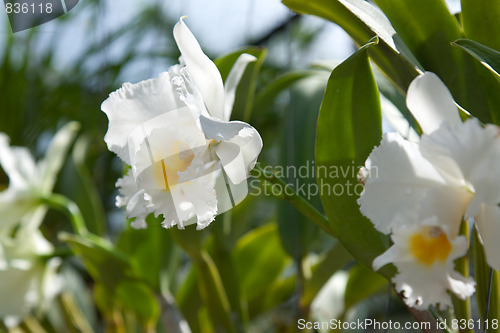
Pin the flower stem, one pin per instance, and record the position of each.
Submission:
(301, 204)
(68, 207)
(488, 297)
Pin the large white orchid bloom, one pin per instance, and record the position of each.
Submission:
(29, 181)
(452, 173)
(188, 161)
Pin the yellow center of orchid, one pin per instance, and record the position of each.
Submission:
(430, 245)
(167, 170)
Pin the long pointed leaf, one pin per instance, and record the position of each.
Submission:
(349, 126)
(361, 21)
(488, 57)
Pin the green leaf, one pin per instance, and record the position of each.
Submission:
(189, 299)
(103, 262)
(421, 21)
(190, 239)
(222, 253)
(259, 259)
(489, 58)
(296, 231)
(245, 92)
(138, 298)
(427, 28)
(349, 126)
(78, 184)
(270, 91)
(481, 275)
(210, 284)
(213, 294)
(361, 21)
(115, 276)
(277, 293)
(480, 20)
(150, 252)
(104, 300)
(361, 284)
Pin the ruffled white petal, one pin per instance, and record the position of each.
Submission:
(232, 81)
(133, 198)
(134, 104)
(422, 288)
(187, 203)
(431, 103)
(205, 74)
(399, 179)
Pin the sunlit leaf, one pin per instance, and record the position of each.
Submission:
(488, 57)
(480, 21)
(259, 259)
(349, 126)
(361, 20)
(427, 27)
(245, 92)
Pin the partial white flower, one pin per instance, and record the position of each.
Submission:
(30, 181)
(188, 161)
(29, 281)
(424, 255)
(452, 173)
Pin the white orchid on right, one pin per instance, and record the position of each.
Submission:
(188, 161)
(452, 174)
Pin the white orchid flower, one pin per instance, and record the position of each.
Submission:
(424, 255)
(452, 173)
(30, 181)
(29, 281)
(188, 161)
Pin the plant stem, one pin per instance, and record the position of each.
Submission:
(68, 207)
(488, 297)
(289, 194)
